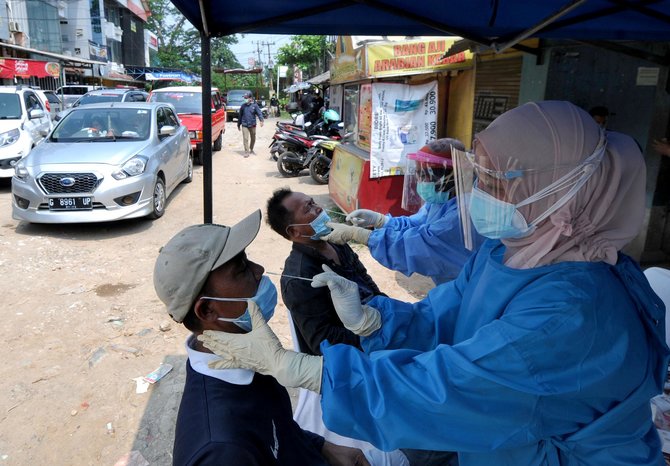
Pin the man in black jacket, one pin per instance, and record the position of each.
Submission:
(312, 311)
(230, 416)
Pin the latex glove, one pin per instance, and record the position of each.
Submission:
(362, 320)
(342, 233)
(366, 218)
(261, 351)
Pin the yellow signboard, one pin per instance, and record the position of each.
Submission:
(402, 58)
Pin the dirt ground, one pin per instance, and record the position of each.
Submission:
(81, 319)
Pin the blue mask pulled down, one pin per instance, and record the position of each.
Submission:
(265, 298)
(318, 225)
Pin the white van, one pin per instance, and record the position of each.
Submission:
(70, 93)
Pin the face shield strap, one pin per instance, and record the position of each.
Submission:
(576, 178)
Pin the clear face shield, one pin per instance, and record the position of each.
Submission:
(495, 202)
(428, 178)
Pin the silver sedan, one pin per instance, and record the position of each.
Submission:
(104, 162)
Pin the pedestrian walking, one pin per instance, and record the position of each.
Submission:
(247, 122)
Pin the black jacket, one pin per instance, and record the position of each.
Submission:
(311, 309)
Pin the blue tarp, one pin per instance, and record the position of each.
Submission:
(484, 21)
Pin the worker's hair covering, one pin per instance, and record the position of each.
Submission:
(603, 216)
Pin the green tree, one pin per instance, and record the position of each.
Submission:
(309, 53)
(179, 43)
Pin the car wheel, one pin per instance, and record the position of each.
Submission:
(189, 173)
(158, 199)
(218, 144)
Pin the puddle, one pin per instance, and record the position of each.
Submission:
(108, 289)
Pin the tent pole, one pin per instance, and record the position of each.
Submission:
(206, 72)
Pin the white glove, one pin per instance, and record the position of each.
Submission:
(261, 351)
(366, 218)
(342, 233)
(362, 320)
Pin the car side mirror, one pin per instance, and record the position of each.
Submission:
(168, 130)
(36, 114)
(44, 133)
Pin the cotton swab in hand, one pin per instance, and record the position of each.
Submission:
(289, 276)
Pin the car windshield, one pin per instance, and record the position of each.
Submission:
(98, 98)
(10, 107)
(236, 98)
(184, 102)
(103, 125)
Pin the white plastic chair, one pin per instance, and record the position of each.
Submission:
(659, 279)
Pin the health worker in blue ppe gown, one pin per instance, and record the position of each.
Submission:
(429, 242)
(547, 347)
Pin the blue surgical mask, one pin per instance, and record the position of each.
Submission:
(318, 225)
(265, 298)
(426, 190)
(496, 219)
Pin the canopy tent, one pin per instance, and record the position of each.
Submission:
(492, 23)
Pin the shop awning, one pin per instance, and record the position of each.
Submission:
(66, 59)
(17, 67)
(320, 78)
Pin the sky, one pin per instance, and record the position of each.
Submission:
(247, 47)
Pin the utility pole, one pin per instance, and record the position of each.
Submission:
(269, 64)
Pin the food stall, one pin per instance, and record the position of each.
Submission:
(394, 97)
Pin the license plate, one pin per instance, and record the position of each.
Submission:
(70, 203)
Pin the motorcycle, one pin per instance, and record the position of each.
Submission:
(287, 132)
(320, 157)
(291, 150)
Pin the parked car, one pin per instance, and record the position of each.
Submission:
(24, 122)
(70, 93)
(188, 102)
(235, 99)
(111, 95)
(104, 162)
(55, 105)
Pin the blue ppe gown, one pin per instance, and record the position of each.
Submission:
(428, 242)
(553, 365)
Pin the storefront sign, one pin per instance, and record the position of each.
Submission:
(404, 119)
(97, 52)
(401, 58)
(10, 68)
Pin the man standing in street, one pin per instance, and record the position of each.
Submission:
(247, 121)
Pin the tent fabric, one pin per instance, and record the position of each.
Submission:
(485, 21)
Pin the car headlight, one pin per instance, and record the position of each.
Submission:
(20, 170)
(132, 167)
(191, 134)
(10, 137)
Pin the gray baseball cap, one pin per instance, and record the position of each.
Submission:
(184, 263)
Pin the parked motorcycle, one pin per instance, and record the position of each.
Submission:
(291, 150)
(319, 158)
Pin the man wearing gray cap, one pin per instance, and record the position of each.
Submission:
(230, 416)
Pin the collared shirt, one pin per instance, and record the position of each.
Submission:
(311, 309)
(226, 418)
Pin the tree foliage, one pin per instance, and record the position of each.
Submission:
(309, 53)
(179, 43)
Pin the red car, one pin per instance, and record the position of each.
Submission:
(188, 102)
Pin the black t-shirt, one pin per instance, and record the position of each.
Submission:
(312, 310)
